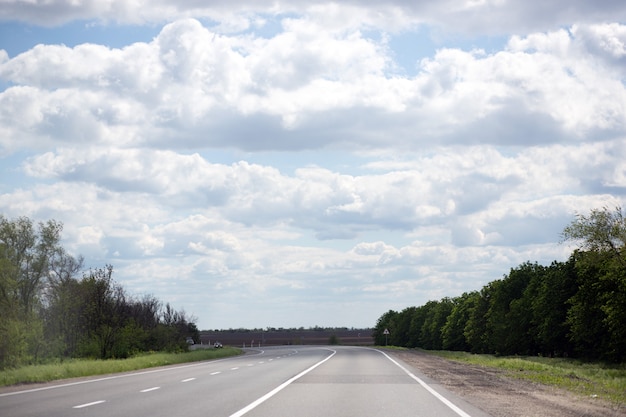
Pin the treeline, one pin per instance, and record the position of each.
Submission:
(51, 308)
(575, 308)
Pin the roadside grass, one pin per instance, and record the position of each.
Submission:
(596, 380)
(74, 368)
(391, 347)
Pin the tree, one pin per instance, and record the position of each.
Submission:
(418, 318)
(402, 328)
(31, 253)
(602, 230)
(585, 317)
(100, 312)
(437, 313)
(509, 318)
(385, 322)
(27, 254)
(476, 327)
(598, 309)
(453, 337)
(46, 311)
(62, 307)
(550, 307)
(13, 345)
(576, 308)
(63, 325)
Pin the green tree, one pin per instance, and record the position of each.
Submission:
(27, 253)
(46, 311)
(437, 313)
(476, 328)
(602, 231)
(525, 281)
(598, 309)
(419, 316)
(104, 315)
(453, 336)
(31, 253)
(13, 325)
(402, 325)
(550, 308)
(174, 327)
(597, 313)
(385, 322)
(63, 307)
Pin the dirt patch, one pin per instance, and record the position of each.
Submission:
(501, 396)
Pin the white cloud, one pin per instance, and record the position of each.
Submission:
(231, 170)
(452, 15)
(191, 87)
(425, 189)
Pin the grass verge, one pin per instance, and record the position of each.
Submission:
(583, 378)
(73, 368)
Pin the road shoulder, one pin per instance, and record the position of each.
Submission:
(502, 396)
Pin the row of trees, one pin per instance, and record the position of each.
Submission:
(575, 308)
(51, 308)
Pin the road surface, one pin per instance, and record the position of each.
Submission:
(266, 382)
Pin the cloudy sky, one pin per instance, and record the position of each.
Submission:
(263, 163)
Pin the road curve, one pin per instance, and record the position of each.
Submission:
(277, 381)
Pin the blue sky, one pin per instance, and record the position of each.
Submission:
(311, 163)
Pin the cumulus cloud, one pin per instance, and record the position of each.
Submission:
(191, 87)
(492, 16)
(227, 163)
(491, 196)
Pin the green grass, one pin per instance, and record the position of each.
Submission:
(390, 347)
(587, 379)
(73, 368)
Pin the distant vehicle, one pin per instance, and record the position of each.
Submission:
(217, 345)
(190, 341)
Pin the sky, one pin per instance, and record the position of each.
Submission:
(310, 163)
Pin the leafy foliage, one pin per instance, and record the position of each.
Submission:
(602, 231)
(48, 312)
(575, 308)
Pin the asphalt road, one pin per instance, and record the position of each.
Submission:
(277, 381)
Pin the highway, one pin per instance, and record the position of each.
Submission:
(266, 382)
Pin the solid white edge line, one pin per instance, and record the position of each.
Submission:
(89, 404)
(428, 388)
(279, 388)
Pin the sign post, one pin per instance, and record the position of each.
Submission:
(386, 333)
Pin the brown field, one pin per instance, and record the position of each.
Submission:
(246, 338)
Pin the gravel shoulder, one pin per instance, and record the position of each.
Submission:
(501, 396)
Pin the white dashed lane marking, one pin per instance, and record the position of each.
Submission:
(89, 404)
(184, 380)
